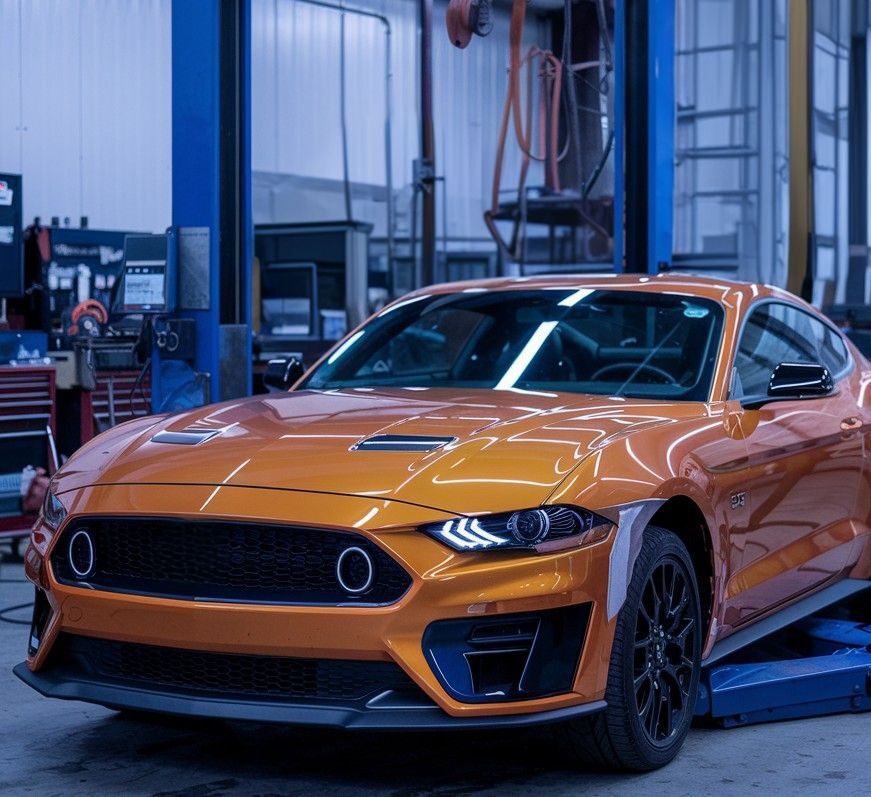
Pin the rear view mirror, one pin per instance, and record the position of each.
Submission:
(281, 374)
(800, 380)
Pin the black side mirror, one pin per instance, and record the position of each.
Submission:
(800, 380)
(281, 374)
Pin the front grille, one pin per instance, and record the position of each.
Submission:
(224, 561)
(228, 674)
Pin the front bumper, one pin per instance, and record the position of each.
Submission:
(446, 586)
(388, 713)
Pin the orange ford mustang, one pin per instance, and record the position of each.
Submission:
(494, 504)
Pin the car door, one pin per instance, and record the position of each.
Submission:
(791, 525)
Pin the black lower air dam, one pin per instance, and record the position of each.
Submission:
(508, 657)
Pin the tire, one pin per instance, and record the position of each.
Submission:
(654, 666)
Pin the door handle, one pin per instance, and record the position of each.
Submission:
(851, 424)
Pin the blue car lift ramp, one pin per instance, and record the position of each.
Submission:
(810, 659)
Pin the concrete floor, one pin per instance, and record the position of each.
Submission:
(51, 747)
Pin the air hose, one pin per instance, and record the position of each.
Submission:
(16, 608)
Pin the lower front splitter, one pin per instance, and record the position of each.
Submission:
(389, 711)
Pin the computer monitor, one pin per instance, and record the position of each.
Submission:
(148, 276)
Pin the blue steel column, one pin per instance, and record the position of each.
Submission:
(619, 129)
(644, 115)
(661, 121)
(196, 158)
(248, 193)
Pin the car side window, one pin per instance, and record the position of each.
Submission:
(833, 352)
(775, 333)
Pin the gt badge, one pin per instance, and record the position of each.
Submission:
(738, 500)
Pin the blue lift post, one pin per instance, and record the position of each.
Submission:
(619, 131)
(661, 122)
(644, 140)
(211, 180)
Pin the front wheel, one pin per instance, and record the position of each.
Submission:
(653, 676)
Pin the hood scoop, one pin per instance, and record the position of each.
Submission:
(184, 438)
(402, 442)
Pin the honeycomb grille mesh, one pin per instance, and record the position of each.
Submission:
(223, 560)
(229, 674)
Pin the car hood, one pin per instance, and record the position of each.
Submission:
(509, 449)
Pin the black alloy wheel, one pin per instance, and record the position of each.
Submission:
(653, 676)
(665, 641)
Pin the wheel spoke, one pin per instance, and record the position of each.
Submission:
(644, 710)
(653, 717)
(642, 609)
(676, 612)
(674, 678)
(657, 603)
(667, 589)
(680, 638)
(639, 681)
(660, 703)
(669, 714)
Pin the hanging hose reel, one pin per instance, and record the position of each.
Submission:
(467, 17)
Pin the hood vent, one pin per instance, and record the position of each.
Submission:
(184, 438)
(402, 442)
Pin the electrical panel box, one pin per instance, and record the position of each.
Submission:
(148, 282)
(11, 250)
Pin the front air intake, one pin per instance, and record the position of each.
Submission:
(508, 657)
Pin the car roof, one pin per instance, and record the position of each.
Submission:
(721, 290)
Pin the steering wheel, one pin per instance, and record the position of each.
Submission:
(669, 379)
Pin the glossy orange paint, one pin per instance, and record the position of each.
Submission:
(287, 458)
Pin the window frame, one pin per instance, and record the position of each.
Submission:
(753, 308)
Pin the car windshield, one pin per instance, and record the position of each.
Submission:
(606, 342)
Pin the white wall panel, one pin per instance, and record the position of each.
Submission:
(91, 131)
(126, 74)
(264, 79)
(10, 86)
(51, 108)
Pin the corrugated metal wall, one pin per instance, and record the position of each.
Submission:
(86, 113)
(85, 109)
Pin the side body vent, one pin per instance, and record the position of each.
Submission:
(402, 442)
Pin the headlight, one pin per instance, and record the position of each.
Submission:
(53, 511)
(545, 529)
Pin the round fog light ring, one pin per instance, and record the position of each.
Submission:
(81, 554)
(354, 570)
